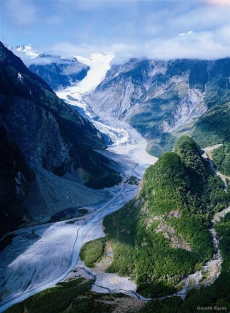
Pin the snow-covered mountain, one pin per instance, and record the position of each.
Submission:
(28, 50)
(25, 52)
(41, 132)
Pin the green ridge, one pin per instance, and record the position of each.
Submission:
(162, 235)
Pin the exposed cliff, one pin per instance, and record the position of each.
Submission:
(15, 179)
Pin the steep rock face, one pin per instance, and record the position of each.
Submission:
(190, 107)
(15, 179)
(122, 88)
(48, 132)
(57, 72)
(161, 98)
(47, 138)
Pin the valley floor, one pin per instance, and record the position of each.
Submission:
(42, 255)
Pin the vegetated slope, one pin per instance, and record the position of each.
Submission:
(215, 297)
(213, 127)
(48, 132)
(162, 99)
(162, 235)
(221, 158)
(58, 72)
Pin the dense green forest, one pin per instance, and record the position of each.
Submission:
(162, 235)
(92, 251)
(215, 297)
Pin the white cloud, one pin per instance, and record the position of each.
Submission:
(142, 28)
(198, 19)
(21, 12)
(222, 35)
(186, 34)
(219, 2)
(67, 49)
(201, 45)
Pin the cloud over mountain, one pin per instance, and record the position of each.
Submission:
(128, 28)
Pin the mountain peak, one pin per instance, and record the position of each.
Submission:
(28, 50)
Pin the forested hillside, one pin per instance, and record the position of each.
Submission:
(221, 158)
(162, 235)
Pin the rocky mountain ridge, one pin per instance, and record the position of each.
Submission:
(15, 178)
(161, 99)
(57, 71)
(164, 99)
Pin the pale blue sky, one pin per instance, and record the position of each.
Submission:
(152, 29)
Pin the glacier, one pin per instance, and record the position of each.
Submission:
(42, 255)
